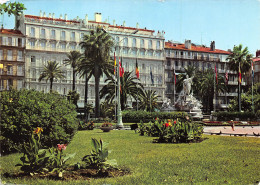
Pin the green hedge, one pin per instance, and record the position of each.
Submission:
(23, 111)
(227, 116)
(130, 116)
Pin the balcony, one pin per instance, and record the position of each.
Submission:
(42, 36)
(72, 39)
(9, 72)
(62, 38)
(53, 37)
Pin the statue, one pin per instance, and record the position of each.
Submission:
(187, 85)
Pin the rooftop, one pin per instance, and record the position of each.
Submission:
(178, 46)
(11, 31)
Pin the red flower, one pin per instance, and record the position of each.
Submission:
(174, 122)
(167, 124)
(61, 147)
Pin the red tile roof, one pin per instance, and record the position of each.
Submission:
(178, 46)
(257, 59)
(10, 31)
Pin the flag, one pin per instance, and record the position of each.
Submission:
(239, 75)
(122, 68)
(115, 63)
(151, 76)
(226, 75)
(252, 64)
(136, 69)
(216, 73)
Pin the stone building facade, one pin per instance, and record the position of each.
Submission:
(12, 62)
(50, 39)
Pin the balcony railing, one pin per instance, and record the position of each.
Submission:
(72, 39)
(42, 36)
(53, 37)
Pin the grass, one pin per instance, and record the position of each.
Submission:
(216, 160)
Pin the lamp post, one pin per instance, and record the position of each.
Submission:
(119, 124)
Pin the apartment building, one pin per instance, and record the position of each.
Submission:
(12, 63)
(50, 39)
(181, 55)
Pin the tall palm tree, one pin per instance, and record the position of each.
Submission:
(129, 88)
(148, 100)
(239, 57)
(97, 47)
(207, 88)
(50, 72)
(73, 60)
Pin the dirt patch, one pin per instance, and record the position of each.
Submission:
(80, 174)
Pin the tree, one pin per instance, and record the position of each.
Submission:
(206, 87)
(97, 47)
(73, 58)
(148, 100)
(50, 72)
(12, 8)
(246, 100)
(129, 88)
(239, 57)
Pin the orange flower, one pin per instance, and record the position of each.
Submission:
(38, 130)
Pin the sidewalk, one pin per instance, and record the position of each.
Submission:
(249, 131)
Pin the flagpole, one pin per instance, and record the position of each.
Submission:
(214, 102)
(174, 85)
(119, 112)
(253, 109)
(115, 70)
(239, 88)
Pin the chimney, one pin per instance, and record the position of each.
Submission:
(66, 17)
(188, 44)
(86, 20)
(77, 18)
(53, 15)
(123, 23)
(212, 46)
(49, 15)
(60, 16)
(98, 17)
(44, 14)
(114, 22)
(40, 13)
(137, 25)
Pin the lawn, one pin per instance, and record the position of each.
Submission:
(216, 160)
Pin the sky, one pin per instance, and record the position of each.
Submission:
(227, 22)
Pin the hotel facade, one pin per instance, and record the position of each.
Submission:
(50, 39)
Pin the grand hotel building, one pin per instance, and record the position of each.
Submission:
(50, 39)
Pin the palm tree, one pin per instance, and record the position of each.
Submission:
(129, 88)
(50, 72)
(207, 88)
(239, 57)
(148, 100)
(73, 60)
(97, 47)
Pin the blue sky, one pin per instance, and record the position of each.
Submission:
(228, 22)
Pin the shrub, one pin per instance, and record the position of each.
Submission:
(225, 116)
(130, 116)
(86, 126)
(23, 111)
(173, 131)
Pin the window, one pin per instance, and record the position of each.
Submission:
(125, 41)
(209, 65)
(150, 53)
(222, 66)
(63, 46)
(142, 52)
(82, 36)
(134, 42)
(20, 56)
(20, 42)
(42, 33)
(1, 55)
(32, 43)
(20, 70)
(63, 35)
(33, 59)
(158, 54)
(117, 39)
(1, 84)
(9, 41)
(32, 33)
(73, 46)
(176, 63)
(53, 34)
(158, 45)
(9, 84)
(134, 51)
(9, 70)
(43, 44)
(168, 62)
(19, 84)
(9, 55)
(142, 43)
(150, 44)
(72, 36)
(125, 51)
(143, 68)
(53, 45)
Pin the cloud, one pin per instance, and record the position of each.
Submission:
(3, 1)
